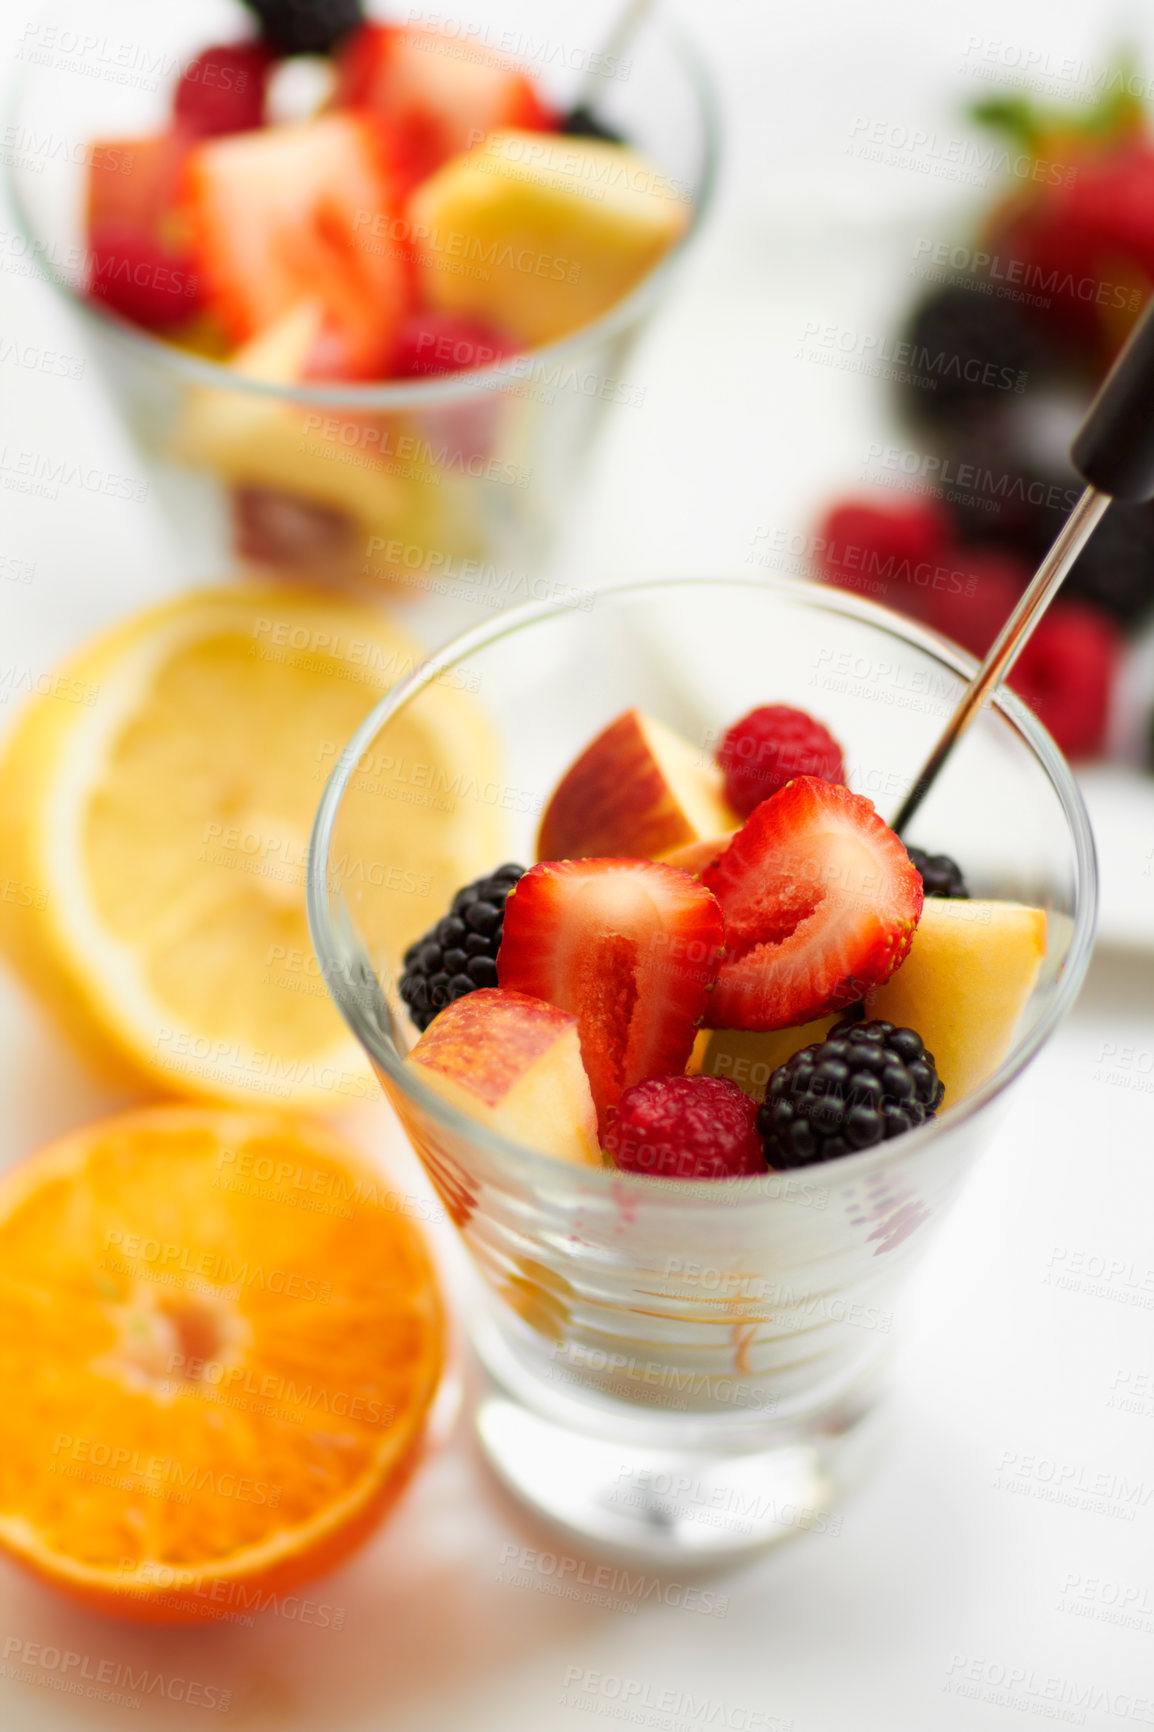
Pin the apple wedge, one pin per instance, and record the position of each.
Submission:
(637, 791)
(696, 856)
(970, 970)
(513, 1063)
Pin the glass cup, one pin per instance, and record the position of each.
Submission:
(451, 485)
(687, 1370)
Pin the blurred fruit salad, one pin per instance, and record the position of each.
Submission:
(998, 360)
(422, 199)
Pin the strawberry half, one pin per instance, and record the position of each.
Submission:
(297, 213)
(628, 947)
(441, 94)
(820, 902)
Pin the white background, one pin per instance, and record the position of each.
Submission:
(956, 1563)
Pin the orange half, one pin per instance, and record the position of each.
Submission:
(219, 1341)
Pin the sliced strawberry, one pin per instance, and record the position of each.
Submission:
(820, 902)
(134, 182)
(628, 947)
(442, 94)
(139, 261)
(294, 213)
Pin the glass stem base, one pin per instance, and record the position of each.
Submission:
(643, 1487)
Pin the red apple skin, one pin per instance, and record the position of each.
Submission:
(510, 1028)
(614, 802)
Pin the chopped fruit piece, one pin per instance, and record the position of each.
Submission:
(276, 528)
(867, 1082)
(155, 943)
(285, 215)
(514, 1063)
(771, 745)
(139, 277)
(685, 1127)
(630, 948)
(883, 551)
(820, 902)
(696, 856)
(439, 92)
(133, 182)
(639, 790)
(1065, 674)
(306, 26)
(940, 875)
(971, 969)
(460, 954)
(748, 1057)
(277, 448)
(146, 1284)
(565, 229)
(430, 343)
(222, 90)
(139, 263)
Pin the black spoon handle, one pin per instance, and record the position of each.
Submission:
(1114, 448)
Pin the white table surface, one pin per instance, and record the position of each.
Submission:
(1001, 1564)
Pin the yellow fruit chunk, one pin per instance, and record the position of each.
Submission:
(514, 1063)
(546, 232)
(328, 457)
(219, 1341)
(970, 971)
(157, 799)
(749, 1059)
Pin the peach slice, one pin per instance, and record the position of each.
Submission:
(638, 791)
(750, 1057)
(514, 1063)
(971, 968)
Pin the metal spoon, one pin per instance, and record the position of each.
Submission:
(1113, 452)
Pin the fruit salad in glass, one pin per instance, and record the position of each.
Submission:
(377, 276)
(697, 1065)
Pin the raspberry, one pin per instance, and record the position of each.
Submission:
(139, 278)
(685, 1127)
(1065, 673)
(982, 593)
(867, 1082)
(222, 90)
(768, 747)
(879, 550)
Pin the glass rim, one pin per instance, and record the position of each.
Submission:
(441, 388)
(547, 1171)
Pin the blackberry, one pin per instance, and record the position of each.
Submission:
(581, 122)
(865, 1083)
(1115, 569)
(940, 875)
(306, 26)
(968, 349)
(460, 953)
